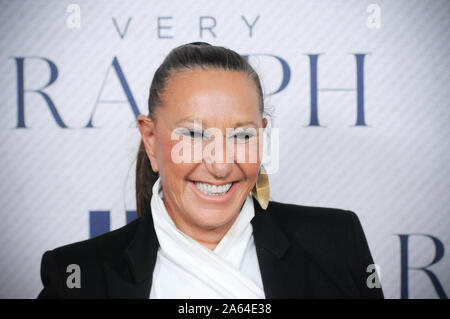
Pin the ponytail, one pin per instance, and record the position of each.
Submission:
(145, 178)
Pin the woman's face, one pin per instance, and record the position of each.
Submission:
(226, 106)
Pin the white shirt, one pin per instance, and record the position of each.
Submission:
(186, 269)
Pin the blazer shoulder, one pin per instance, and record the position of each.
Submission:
(334, 241)
(323, 217)
(89, 257)
(107, 245)
(316, 229)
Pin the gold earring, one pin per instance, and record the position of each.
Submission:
(261, 190)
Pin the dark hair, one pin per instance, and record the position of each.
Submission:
(187, 56)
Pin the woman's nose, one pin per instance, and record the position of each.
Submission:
(219, 170)
(220, 164)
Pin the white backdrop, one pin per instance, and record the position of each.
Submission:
(393, 171)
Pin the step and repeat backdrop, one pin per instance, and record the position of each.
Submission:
(359, 92)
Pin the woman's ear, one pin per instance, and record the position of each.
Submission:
(147, 129)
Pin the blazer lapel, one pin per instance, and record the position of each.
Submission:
(140, 258)
(283, 264)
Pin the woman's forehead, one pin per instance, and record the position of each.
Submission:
(192, 81)
(211, 94)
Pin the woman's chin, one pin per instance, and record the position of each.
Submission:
(210, 218)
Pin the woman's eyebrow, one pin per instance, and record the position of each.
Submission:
(190, 120)
(239, 124)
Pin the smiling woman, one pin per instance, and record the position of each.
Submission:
(220, 99)
(206, 227)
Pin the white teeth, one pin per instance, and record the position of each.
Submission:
(213, 190)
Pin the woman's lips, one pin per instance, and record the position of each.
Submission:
(214, 198)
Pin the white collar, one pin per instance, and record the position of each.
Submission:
(217, 273)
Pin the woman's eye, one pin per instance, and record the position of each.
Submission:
(242, 137)
(195, 134)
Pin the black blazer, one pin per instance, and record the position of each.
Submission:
(303, 252)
